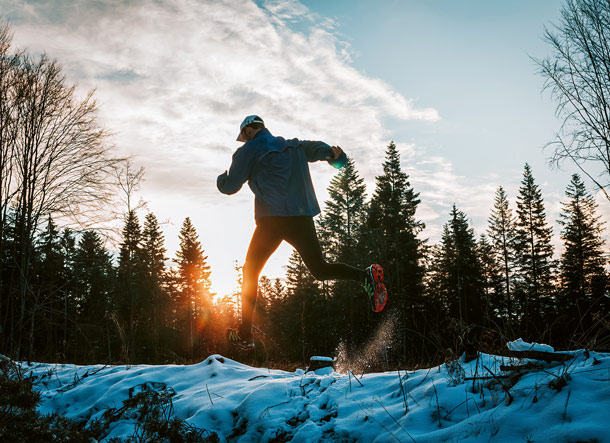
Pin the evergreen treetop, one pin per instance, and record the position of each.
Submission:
(393, 198)
(502, 235)
(345, 213)
(153, 248)
(584, 256)
(533, 237)
(192, 263)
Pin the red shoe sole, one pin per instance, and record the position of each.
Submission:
(381, 292)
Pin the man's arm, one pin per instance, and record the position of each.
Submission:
(316, 151)
(230, 182)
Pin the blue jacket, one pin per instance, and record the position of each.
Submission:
(277, 172)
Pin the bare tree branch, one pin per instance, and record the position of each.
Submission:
(577, 75)
(129, 182)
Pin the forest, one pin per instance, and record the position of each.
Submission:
(69, 294)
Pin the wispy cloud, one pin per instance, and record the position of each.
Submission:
(441, 187)
(175, 78)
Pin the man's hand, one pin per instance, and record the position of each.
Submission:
(336, 153)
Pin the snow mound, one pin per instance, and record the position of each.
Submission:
(490, 398)
(321, 358)
(520, 345)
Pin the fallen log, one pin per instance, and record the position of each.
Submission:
(538, 355)
(526, 367)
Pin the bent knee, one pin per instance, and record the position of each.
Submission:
(321, 271)
(251, 271)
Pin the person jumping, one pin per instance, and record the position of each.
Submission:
(285, 204)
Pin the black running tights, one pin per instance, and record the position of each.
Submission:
(300, 232)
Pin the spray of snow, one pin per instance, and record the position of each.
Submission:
(373, 354)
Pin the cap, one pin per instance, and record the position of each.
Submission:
(248, 121)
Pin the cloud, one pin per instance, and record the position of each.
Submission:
(184, 73)
(287, 10)
(174, 79)
(440, 187)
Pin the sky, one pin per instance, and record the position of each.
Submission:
(452, 83)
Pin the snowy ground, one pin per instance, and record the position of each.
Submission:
(552, 402)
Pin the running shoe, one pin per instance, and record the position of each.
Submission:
(243, 343)
(375, 288)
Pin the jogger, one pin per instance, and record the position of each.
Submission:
(277, 172)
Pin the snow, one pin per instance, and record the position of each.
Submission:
(321, 358)
(520, 345)
(547, 402)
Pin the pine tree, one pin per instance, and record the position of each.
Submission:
(583, 261)
(454, 286)
(392, 231)
(94, 279)
(263, 299)
(462, 269)
(430, 332)
(153, 249)
(52, 259)
(49, 281)
(303, 311)
(130, 256)
(345, 214)
(340, 231)
(195, 286)
(502, 235)
(278, 290)
(534, 252)
(277, 316)
(494, 301)
(129, 291)
(153, 255)
(176, 317)
(393, 227)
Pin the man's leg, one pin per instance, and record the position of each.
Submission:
(265, 240)
(300, 232)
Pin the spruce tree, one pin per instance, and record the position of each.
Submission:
(534, 252)
(157, 307)
(393, 227)
(345, 214)
(462, 270)
(430, 332)
(277, 316)
(52, 259)
(305, 324)
(176, 317)
(129, 290)
(94, 279)
(153, 249)
(94, 268)
(493, 299)
(502, 237)
(263, 300)
(49, 281)
(341, 229)
(392, 231)
(195, 287)
(583, 260)
(454, 289)
(130, 253)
